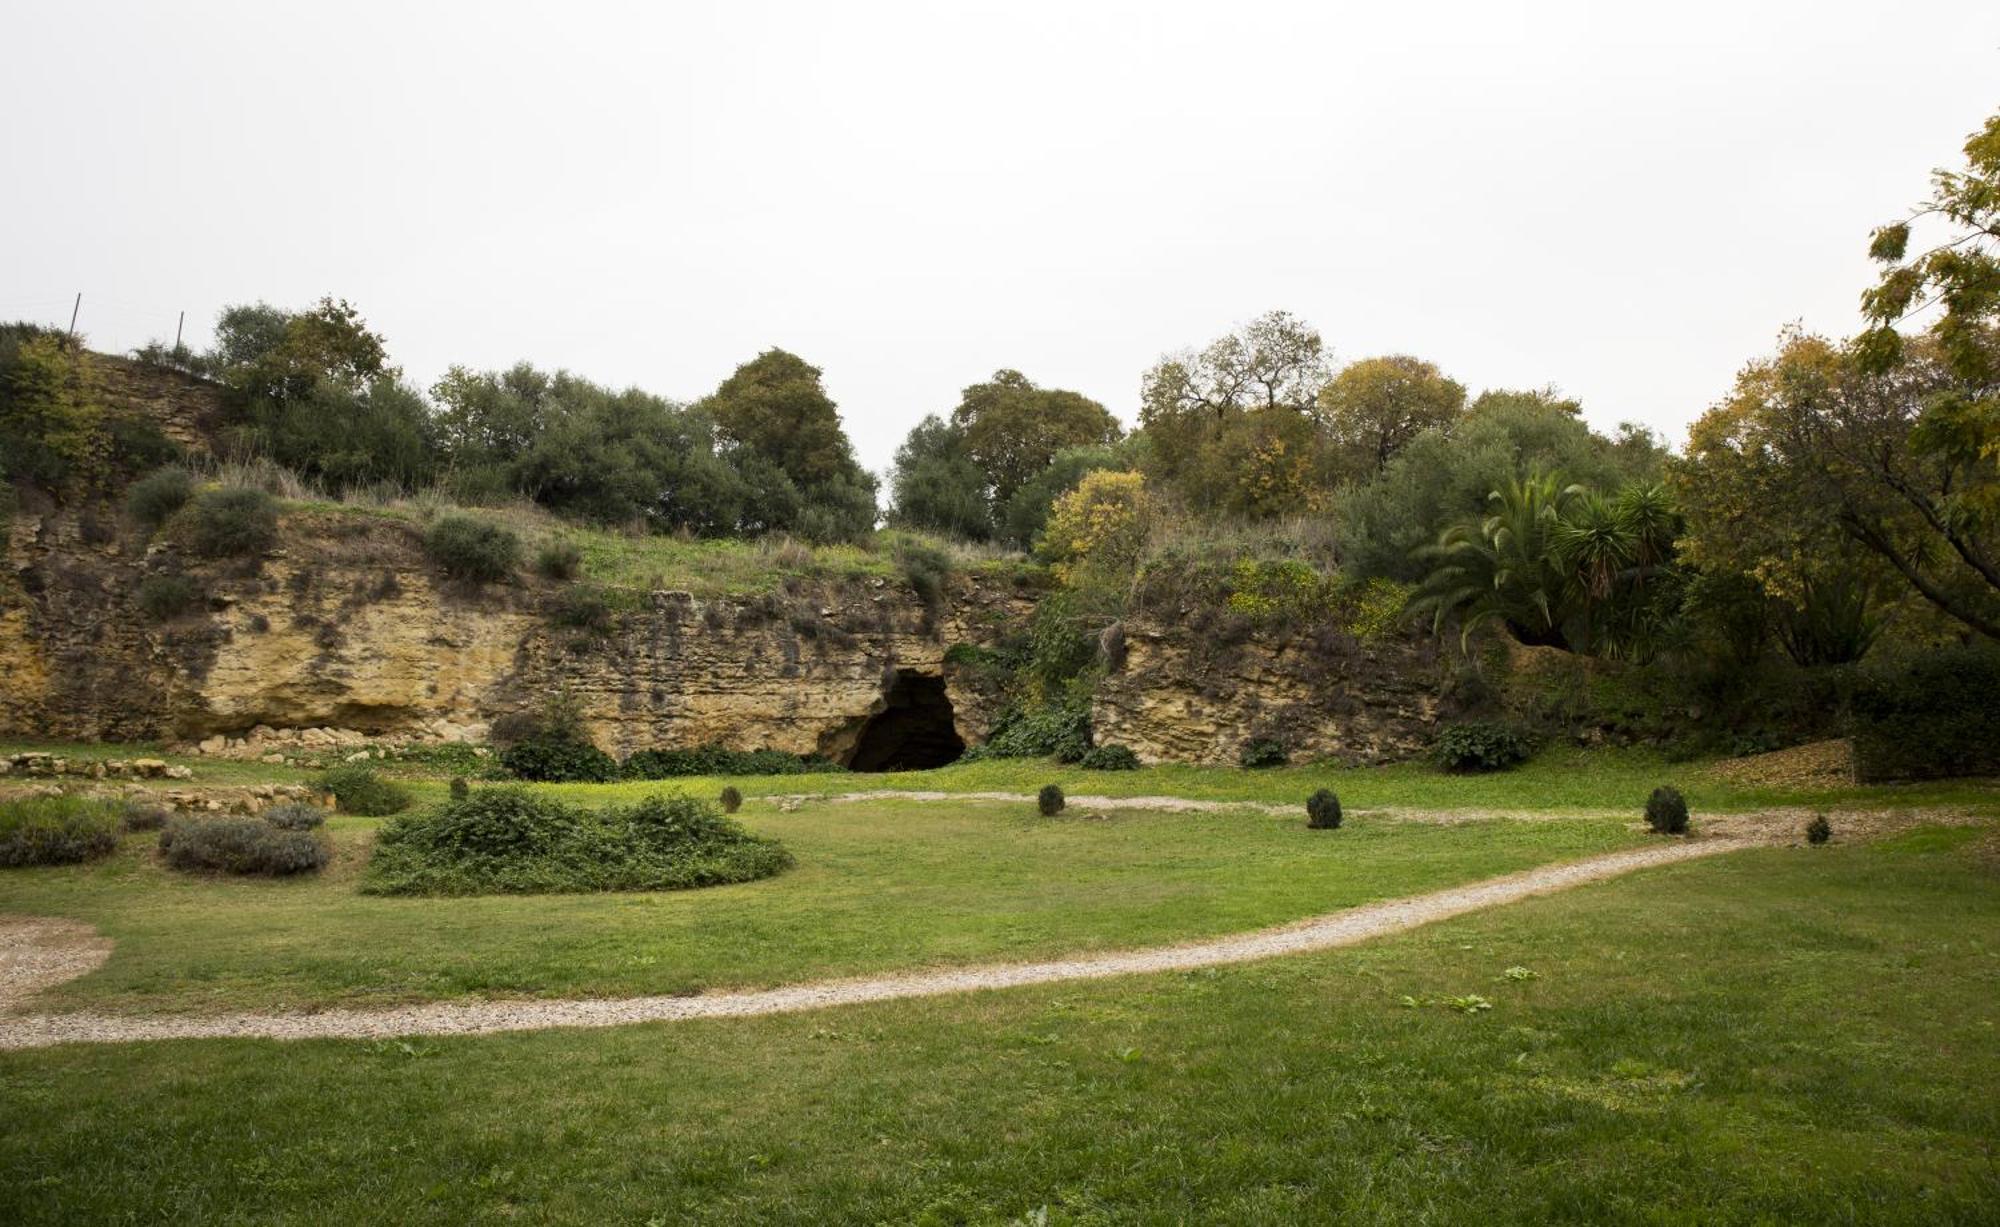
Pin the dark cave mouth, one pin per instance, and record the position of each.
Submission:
(912, 732)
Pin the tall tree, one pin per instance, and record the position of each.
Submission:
(1011, 429)
(1377, 405)
(1813, 444)
(1189, 399)
(936, 486)
(775, 406)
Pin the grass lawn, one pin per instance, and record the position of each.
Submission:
(879, 886)
(1560, 779)
(1785, 1035)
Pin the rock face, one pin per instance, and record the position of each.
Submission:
(346, 627)
(1199, 692)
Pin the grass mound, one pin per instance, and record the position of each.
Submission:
(511, 841)
(57, 830)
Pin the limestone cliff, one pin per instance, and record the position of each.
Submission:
(345, 625)
(1198, 691)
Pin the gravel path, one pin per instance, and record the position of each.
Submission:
(476, 1018)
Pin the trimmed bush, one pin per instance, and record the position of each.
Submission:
(732, 799)
(1819, 830)
(158, 495)
(1109, 758)
(358, 790)
(715, 760)
(1323, 811)
(1262, 752)
(471, 549)
(57, 830)
(559, 560)
(1483, 745)
(511, 841)
(295, 817)
(1667, 811)
(1050, 800)
(241, 845)
(1932, 718)
(140, 816)
(557, 757)
(232, 523)
(162, 597)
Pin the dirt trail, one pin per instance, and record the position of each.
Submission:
(23, 941)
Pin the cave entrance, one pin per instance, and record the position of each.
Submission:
(912, 732)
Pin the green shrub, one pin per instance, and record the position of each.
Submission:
(1109, 758)
(293, 816)
(472, 550)
(584, 607)
(241, 845)
(1050, 800)
(1262, 752)
(559, 560)
(232, 523)
(1483, 745)
(1819, 830)
(509, 840)
(358, 790)
(1323, 810)
(158, 495)
(559, 757)
(144, 816)
(1930, 718)
(1667, 811)
(61, 830)
(1059, 730)
(732, 799)
(167, 596)
(716, 760)
(460, 790)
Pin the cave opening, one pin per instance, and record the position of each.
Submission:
(914, 729)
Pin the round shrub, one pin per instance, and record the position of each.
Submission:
(471, 549)
(358, 790)
(60, 830)
(144, 816)
(293, 816)
(1050, 800)
(158, 495)
(232, 523)
(460, 790)
(1667, 811)
(1263, 752)
(556, 758)
(732, 799)
(1109, 758)
(1323, 810)
(508, 840)
(241, 845)
(162, 597)
(1819, 830)
(559, 560)
(1483, 745)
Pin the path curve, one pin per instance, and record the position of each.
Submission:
(479, 1018)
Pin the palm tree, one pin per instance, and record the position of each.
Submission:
(1503, 566)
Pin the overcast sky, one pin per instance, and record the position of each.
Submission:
(1625, 201)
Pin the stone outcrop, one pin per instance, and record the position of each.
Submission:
(346, 632)
(1199, 692)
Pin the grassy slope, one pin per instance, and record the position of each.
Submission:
(1787, 1035)
(879, 886)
